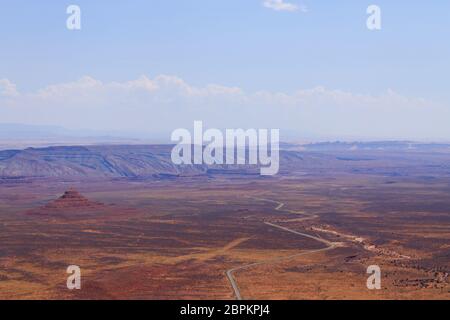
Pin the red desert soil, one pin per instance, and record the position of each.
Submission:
(176, 239)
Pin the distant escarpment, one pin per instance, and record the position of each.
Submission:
(90, 162)
(140, 162)
(114, 161)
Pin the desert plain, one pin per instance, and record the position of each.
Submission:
(310, 232)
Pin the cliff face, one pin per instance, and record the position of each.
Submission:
(92, 162)
(127, 161)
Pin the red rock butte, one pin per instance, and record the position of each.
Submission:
(72, 199)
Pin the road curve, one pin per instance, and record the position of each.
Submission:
(329, 246)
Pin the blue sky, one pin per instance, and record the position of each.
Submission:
(234, 44)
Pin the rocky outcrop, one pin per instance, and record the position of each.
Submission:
(72, 199)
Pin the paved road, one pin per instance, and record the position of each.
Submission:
(280, 205)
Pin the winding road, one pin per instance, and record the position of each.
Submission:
(329, 246)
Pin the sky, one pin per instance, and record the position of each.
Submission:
(311, 68)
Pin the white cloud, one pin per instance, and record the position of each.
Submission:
(280, 5)
(165, 102)
(7, 88)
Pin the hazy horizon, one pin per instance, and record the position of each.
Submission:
(15, 134)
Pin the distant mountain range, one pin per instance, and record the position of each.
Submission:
(110, 161)
(154, 161)
(89, 162)
(372, 145)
